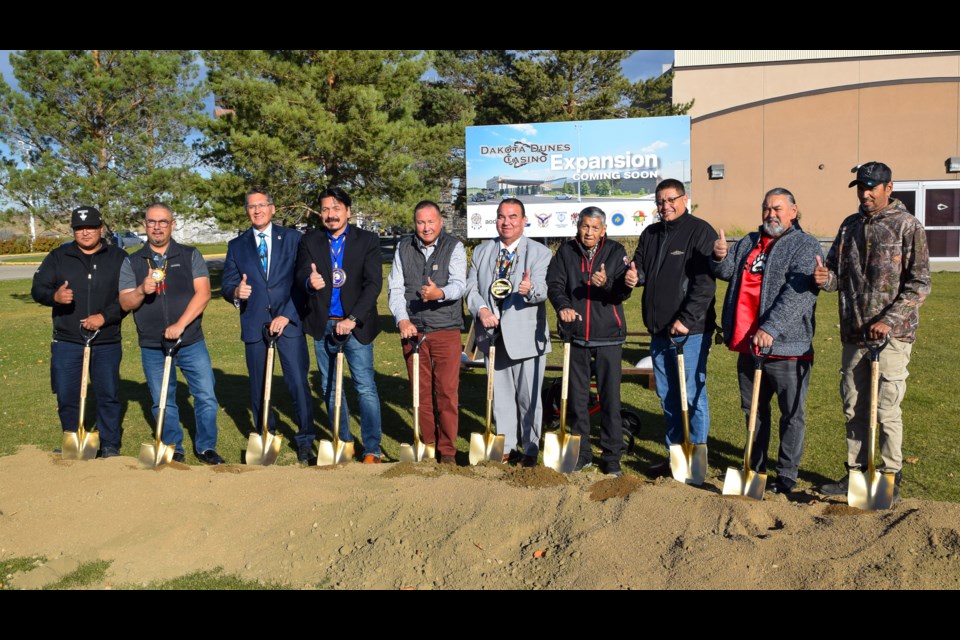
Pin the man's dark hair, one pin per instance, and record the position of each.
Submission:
(337, 194)
(257, 191)
(523, 210)
(671, 183)
(779, 191)
(424, 204)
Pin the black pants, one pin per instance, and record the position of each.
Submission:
(609, 373)
(789, 379)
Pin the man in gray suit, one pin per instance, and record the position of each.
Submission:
(506, 292)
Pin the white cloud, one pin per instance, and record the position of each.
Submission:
(655, 146)
(525, 129)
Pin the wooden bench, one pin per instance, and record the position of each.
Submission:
(471, 359)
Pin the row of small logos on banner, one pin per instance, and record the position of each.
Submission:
(563, 219)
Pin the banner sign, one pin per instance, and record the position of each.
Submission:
(557, 169)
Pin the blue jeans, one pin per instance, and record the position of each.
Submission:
(664, 355)
(194, 362)
(360, 358)
(66, 364)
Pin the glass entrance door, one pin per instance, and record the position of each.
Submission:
(937, 205)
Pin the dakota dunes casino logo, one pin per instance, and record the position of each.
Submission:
(617, 219)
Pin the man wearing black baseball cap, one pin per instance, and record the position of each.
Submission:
(79, 280)
(880, 265)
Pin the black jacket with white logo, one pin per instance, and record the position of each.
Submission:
(673, 259)
(93, 280)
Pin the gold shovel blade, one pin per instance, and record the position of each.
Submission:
(326, 455)
(89, 444)
(482, 448)
(870, 493)
(749, 484)
(560, 458)
(689, 465)
(263, 454)
(412, 453)
(70, 449)
(150, 457)
(80, 444)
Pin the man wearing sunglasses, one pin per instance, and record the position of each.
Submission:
(880, 266)
(672, 262)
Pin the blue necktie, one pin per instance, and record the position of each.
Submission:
(262, 250)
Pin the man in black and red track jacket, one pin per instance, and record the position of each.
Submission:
(585, 284)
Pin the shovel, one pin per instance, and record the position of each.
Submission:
(688, 461)
(419, 451)
(560, 450)
(337, 451)
(872, 491)
(82, 444)
(153, 455)
(263, 449)
(749, 483)
(487, 445)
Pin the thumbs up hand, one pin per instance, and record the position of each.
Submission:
(820, 274)
(244, 290)
(316, 280)
(525, 285)
(149, 284)
(720, 247)
(632, 278)
(599, 278)
(430, 291)
(63, 295)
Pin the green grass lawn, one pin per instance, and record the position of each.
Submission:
(931, 408)
(25, 257)
(214, 248)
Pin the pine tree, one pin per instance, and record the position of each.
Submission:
(297, 121)
(99, 127)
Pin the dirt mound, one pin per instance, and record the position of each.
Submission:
(430, 526)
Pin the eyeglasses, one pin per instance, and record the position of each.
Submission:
(259, 205)
(163, 224)
(665, 201)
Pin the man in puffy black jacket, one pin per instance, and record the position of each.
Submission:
(585, 284)
(79, 280)
(672, 262)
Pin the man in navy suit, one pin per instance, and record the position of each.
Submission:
(341, 270)
(259, 279)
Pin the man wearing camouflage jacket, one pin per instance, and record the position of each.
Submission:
(880, 265)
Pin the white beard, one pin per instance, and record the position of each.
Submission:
(773, 228)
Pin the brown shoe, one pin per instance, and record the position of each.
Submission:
(528, 462)
(444, 459)
(371, 459)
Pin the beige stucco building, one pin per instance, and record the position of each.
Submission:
(803, 119)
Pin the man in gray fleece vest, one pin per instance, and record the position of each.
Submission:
(771, 304)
